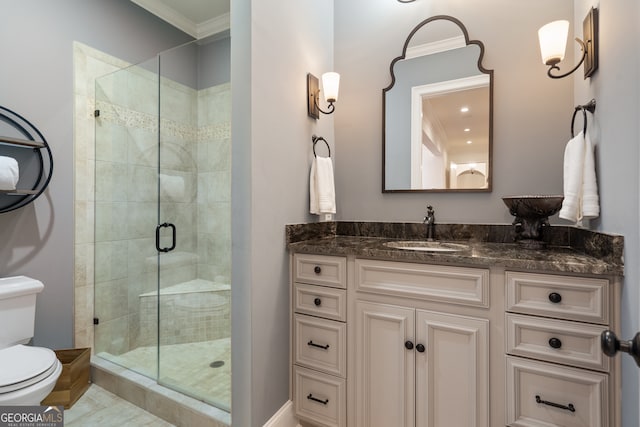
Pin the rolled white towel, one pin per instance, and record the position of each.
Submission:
(172, 187)
(9, 173)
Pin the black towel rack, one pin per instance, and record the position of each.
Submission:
(590, 107)
(315, 140)
(22, 141)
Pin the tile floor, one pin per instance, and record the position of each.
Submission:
(99, 408)
(200, 369)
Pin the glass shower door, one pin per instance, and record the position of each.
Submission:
(126, 210)
(162, 223)
(194, 176)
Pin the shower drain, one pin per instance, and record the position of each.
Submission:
(216, 364)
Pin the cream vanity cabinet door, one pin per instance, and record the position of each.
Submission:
(385, 367)
(420, 368)
(452, 382)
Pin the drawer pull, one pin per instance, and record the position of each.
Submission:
(555, 297)
(568, 407)
(317, 302)
(315, 399)
(312, 344)
(317, 269)
(555, 343)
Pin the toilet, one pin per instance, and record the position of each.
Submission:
(27, 373)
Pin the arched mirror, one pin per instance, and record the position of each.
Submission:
(438, 113)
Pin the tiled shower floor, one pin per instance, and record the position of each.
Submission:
(201, 369)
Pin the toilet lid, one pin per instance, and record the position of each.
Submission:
(24, 363)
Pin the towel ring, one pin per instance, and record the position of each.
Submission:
(590, 107)
(315, 140)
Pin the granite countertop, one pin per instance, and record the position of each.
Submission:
(569, 250)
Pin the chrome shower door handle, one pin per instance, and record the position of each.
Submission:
(173, 234)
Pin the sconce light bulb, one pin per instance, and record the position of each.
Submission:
(553, 41)
(330, 86)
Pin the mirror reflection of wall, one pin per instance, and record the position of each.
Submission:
(437, 111)
(451, 119)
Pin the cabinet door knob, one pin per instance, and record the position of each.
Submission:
(408, 345)
(317, 269)
(555, 297)
(420, 348)
(610, 345)
(555, 343)
(317, 302)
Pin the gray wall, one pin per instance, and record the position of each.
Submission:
(215, 63)
(615, 129)
(274, 43)
(532, 116)
(37, 82)
(532, 113)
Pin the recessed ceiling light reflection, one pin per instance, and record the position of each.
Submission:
(464, 109)
(467, 130)
(469, 142)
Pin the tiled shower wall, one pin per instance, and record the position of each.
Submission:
(195, 192)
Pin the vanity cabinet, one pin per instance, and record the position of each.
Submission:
(379, 342)
(415, 366)
(556, 373)
(319, 339)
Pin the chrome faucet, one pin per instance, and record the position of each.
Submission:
(430, 221)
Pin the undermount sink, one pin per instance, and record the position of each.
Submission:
(427, 246)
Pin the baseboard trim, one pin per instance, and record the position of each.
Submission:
(284, 417)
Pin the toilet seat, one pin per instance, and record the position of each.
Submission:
(28, 366)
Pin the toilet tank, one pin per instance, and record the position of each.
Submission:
(17, 309)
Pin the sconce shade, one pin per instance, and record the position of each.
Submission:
(330, 86)
(553, 41)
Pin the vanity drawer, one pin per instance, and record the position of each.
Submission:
(321, 301)
(320, 270)
(563, 297)
(560, 341)
(320, 344)
(320, 398)
(456, 285)
(542, 394)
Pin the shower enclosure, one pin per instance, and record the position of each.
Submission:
(162, 219)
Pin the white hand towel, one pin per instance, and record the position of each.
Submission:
(580, 186)
(322, 194)
(590, 199)
(9, 173)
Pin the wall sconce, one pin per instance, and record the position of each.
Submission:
(553, 41)
(330, 85)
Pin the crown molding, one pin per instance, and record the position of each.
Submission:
(213, 26)
(435, 47)
(198, 31)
